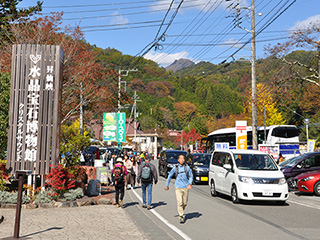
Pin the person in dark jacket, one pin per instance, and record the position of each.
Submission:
(147, 174)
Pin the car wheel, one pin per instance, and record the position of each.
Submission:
(316, 188)
(213, 190)
(291, 183)
(234, 194)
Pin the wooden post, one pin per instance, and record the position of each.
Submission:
(20, 175)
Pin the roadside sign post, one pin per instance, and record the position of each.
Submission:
(20, 174)
(241, 134)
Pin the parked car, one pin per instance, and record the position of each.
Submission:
(304, 163)
(168, 160)
(309, 182)
(199, 164)
(246, 175)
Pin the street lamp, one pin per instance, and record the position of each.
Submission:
(306, 122)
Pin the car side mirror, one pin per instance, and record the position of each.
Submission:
(227, 167)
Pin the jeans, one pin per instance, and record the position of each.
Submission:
(119, 191)
(148, 187)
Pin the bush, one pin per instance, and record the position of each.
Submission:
(7, 197)
(73, 194)
(60, 179)
(43, 197)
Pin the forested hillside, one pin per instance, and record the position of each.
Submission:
(206, 96)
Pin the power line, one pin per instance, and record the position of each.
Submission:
(128, 14)
(106, 4)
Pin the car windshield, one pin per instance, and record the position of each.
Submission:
(173, 156)
(294, 161)
(254, 162)
(201, 159)
(284, 163)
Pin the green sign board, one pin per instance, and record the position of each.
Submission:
(121, 127)
(114, 127)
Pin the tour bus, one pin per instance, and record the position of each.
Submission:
(285, 136)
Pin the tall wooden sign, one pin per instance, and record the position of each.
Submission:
(35, 108)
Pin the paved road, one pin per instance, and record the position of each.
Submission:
(219, 218)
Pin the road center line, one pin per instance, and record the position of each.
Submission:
(303, 204)
(165, 221)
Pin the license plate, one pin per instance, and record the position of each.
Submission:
(267, 193)
(204, 179)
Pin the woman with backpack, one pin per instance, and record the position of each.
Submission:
(147, 173)
(119, 173)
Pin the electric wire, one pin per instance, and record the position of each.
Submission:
(267, 25)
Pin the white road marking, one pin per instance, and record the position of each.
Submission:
(303, 204)
(165, 221)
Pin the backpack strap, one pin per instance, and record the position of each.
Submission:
(185, 169)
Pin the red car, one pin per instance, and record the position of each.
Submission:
(309, 182)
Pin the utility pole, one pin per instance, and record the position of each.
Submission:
(126, 72)
(253, 69)
(136, 99)
(253, 76)
(81, 109)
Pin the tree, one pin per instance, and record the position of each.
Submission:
(4, 109)
(189, 138)
(185, 110)
(305, 69)
(11, 13)
(72, 143)
(265, 101)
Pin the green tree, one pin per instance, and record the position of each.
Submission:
(11, 13)
(72, 143)
(4, 110)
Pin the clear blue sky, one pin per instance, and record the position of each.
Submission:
(130, 25)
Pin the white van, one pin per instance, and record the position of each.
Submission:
(246, 175)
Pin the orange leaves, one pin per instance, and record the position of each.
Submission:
(160, 89)
(185, 110)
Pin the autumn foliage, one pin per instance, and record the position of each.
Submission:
(60, 179)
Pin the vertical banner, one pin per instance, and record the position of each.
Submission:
(311, 145)
(35, 108)
(110, 127)
(121, 127)
(241, 134)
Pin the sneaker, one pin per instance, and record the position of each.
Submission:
(121, 203)
(144, 205)
(182, 219)
(117, 205)
(149, 207)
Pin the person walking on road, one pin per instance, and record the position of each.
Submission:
(119, 173)
(129, 165)
(147, 173)
(182, 185)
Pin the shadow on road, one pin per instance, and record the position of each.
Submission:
(131, 204)
(193, 215)
(158, 204)
(35, 233)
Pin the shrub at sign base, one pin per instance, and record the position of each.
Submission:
(60, 180)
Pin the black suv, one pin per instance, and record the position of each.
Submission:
(169, 159)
